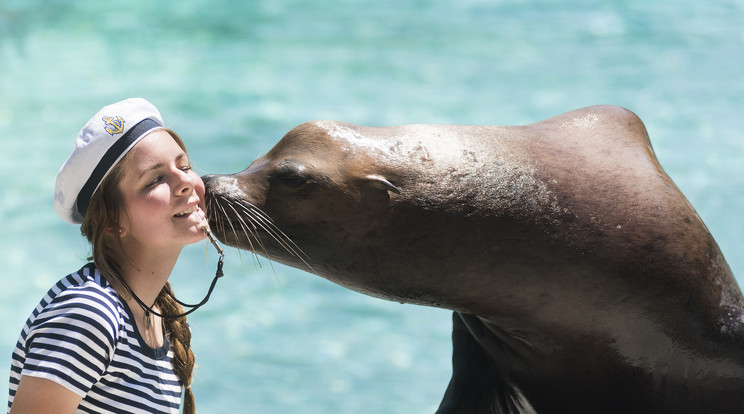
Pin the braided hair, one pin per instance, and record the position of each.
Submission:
(104, 212)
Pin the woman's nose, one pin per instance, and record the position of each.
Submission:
(184, 183)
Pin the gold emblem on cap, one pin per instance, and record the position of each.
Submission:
(114, 124)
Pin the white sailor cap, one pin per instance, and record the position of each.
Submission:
(102, 142)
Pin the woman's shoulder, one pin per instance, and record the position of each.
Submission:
(88, 279)
(82, 298)
(85, 284)
(72, 336)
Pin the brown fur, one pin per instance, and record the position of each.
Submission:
(581, 278)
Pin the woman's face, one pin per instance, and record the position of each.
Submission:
(163, 205)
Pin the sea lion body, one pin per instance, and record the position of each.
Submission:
(581, 278)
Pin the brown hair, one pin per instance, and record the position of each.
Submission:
(104, 212)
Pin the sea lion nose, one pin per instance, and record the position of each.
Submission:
(208, 178)
(219, 184)
(211, 182)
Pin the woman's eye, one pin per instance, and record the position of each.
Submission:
(154, 182)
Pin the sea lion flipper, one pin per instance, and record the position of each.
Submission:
(476, 386)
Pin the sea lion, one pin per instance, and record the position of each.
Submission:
(580, 277)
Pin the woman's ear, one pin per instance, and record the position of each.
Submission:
(116, 232)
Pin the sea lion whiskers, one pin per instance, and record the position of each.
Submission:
(267, 224)
(212, 204)
(220, 220)
(250, 221)
(248, 231)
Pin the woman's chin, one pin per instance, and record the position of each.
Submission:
(197, 235)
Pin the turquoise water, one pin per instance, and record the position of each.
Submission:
(232, 79)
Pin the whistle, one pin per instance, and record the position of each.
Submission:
(211, 238)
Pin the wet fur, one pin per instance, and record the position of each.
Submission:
(580, 278)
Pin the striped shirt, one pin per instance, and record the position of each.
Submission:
(82, 336)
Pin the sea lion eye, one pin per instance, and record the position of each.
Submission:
(291, 174)
(292, 181)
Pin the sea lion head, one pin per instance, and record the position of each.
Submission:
(297, 203)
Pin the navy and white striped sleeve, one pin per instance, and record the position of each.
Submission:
(72, 341)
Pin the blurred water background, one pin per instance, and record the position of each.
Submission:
(233, 77)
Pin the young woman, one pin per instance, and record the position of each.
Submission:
(96, 343)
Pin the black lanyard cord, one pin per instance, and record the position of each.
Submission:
(149, 309)
(218, 274)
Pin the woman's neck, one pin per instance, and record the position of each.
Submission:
(146, 276)
(146, 273)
